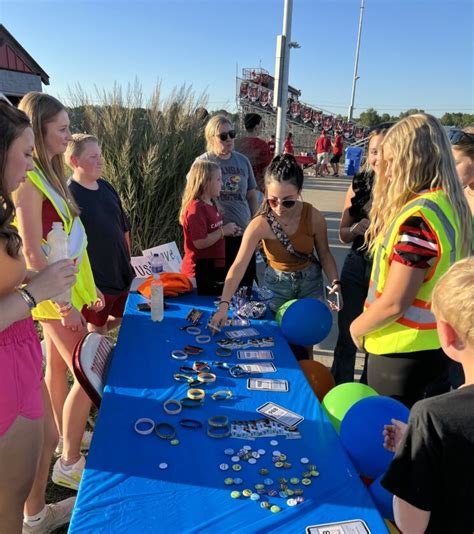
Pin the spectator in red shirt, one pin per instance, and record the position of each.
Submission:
(272, 145)
(201, 217)
(256, 149)
(322, 148)
(336, 153)
(288, 144)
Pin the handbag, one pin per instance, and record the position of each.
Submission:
(285, 241)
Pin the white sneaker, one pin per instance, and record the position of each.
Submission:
(57, 514)
(69, 478)
(85, 443)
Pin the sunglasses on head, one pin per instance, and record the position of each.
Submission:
(274, 202)
(224, 135)
(458, 137)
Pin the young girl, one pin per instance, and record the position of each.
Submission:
(42, 199)
(419, 225)
(356, 270)
(201, 219)
(463, 152)
(107, 228)
(24, 402)
(290, 275)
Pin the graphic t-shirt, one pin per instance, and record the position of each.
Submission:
(237, 180)
(433, 468)
(200, 220)
(105, 223)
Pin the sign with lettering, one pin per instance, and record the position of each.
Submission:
(169, 254)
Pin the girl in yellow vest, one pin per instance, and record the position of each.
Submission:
(44, 198)
(420, 224)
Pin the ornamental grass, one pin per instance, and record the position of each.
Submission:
(148, 147)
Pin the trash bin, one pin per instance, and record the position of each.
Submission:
(352, 161)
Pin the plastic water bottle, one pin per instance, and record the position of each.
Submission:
(58, 242)
(156, 289)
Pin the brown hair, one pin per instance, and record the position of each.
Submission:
(12, 124)
(42, 109)
(466, 143)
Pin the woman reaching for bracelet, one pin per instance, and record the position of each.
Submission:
(290, 230)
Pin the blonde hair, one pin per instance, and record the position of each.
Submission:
(77, 144)
(453, 299)
(42, 109)
(422, 159)
(212, 129)
(200, 175)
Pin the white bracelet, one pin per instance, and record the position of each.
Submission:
(203, 339)
(172, 411)
(179, 355)
(147, 430)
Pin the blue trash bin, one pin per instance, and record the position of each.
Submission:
(352, 161)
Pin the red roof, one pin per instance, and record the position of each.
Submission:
(14, 57)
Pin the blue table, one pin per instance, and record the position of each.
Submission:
(124, 491)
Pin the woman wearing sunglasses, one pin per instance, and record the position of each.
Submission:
(290, 230)
(238, 196)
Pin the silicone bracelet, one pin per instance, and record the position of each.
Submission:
(193, 330)
(203, 339)
(159, 427)
(179, 355)
(144, 431)
(218, 433)
(172, 411)
(190, 423)
(224, 302)
(191, 403)
(223, 352)
(218, 421)
(196, 394)
(207, 378)
(223, 394)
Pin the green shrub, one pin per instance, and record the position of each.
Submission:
(148, 149)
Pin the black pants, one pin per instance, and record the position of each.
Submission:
(232, 245)
(409, 377)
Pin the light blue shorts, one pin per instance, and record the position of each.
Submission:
(294, 285)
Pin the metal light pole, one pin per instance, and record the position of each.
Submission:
(356, 66)
(282, 64)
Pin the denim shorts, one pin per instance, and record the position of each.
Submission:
(294, 285)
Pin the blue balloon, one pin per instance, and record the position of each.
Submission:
(361, 433)
(382, 499)
(306, 322)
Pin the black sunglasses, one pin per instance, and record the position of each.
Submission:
(458, 137)
(224, 135)
(288, 204)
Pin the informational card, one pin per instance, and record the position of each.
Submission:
(267, 384)
(255, 368)
(245, 332)
(357, 526)
(280, 415)
(255, 355)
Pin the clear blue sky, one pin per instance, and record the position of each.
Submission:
(414, 53)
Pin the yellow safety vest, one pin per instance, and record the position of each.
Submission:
(415, 330)
(84, 290)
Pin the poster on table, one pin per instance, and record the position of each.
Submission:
(169, 255)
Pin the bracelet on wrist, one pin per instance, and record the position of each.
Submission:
(27, 297)
(224, 302)
(351, 229)
(222, 231)
(335, 283)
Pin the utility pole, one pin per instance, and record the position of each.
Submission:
(356, 65)
(282, 64)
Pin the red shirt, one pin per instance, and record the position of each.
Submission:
(288, 147)
(48, 216)
(259, 154)
(271, 146)
(323, 144)
(200, 220)
(337, 148)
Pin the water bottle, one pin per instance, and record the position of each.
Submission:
(58, 243)
(156, 289)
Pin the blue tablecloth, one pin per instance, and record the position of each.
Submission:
(124, 491)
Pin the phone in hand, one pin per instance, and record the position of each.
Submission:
(333, 299)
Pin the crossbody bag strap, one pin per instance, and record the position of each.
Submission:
(285, 241)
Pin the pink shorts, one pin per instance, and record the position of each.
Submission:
(20, 374)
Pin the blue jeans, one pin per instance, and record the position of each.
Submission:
(294, 285)
(354, 286)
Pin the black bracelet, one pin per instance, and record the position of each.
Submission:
(170, 431)
(224, 302)
(190, 423)
(31, 296)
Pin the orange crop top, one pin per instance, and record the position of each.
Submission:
(302, 240)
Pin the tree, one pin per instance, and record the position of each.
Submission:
(369, 118)
(460, 120)
(409, 112)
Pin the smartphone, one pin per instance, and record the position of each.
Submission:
(356, 526)
(267, 384)
(280, 415)
(333, 298)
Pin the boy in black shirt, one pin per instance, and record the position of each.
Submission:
(107, 228)
(432, 473)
